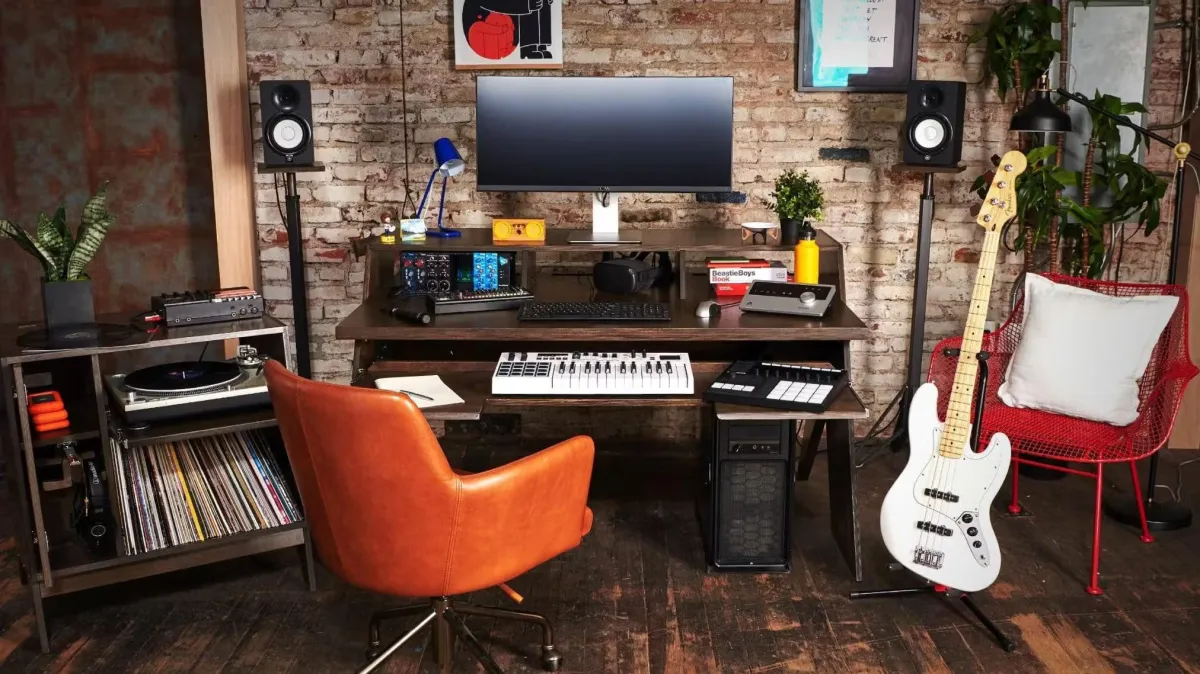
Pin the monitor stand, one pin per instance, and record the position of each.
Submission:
(605, 223)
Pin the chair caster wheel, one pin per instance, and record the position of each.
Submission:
(551, 659)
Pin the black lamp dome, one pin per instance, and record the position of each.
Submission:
(1041, 116)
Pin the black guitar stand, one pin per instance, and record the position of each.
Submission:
(1004, 641)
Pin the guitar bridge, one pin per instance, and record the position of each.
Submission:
(926, 557)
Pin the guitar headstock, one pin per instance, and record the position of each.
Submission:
(1000, 202)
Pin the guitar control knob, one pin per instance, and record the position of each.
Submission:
(972, 531)
(968, 518)
(977, 544)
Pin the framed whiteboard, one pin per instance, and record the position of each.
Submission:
(856, 45)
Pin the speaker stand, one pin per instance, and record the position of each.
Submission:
(872, 441)
(296, 273)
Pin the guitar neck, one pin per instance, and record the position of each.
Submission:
(956, 431)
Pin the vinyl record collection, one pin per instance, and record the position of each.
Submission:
(194, 490)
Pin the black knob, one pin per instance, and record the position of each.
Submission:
(972, 531)
(968, 518)
(977, 544)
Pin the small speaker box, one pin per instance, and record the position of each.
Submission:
(512, 230)
(933, 123)
(286, 123)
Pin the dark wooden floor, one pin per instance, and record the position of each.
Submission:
(635, 598)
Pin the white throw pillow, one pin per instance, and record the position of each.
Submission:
(1082, 352)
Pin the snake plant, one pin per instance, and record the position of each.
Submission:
(63, 257)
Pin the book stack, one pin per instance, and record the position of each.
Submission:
(195, 490)
(732, 276)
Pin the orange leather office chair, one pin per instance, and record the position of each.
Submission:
(388, 514)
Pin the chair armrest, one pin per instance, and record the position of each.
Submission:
(516, 516)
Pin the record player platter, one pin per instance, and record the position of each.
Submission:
(179, 390)
(177, 378)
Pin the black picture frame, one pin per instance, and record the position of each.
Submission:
(874, 80)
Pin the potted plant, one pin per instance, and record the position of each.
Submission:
(796, 199)
(66, 288)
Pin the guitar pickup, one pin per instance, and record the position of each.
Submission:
(934, 528)
(931, 558)
(942, 495)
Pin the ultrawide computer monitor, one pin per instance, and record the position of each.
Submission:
(604, 135)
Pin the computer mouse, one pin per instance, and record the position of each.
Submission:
(708, 309)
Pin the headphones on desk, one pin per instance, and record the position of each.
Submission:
(92, 516)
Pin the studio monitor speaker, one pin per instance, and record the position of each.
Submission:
(933, 123)
(286, 122)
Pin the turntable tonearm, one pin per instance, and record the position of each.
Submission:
(178, 390)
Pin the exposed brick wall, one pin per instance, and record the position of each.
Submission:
(107, 91)
(350, 51)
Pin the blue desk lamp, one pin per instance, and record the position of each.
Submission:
(449, 163)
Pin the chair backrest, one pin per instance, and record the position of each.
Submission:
(377, 490)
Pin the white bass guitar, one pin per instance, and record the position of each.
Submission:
(936, 517)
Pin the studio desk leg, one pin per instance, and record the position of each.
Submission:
(843, 493)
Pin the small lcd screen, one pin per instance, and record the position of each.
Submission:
(586, 134)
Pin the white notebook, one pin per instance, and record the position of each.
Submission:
(426, 391)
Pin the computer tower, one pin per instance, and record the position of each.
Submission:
(746, 503)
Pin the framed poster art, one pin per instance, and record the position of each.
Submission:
(856, 45)
(512, 34)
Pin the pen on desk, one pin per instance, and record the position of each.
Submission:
(414, 395)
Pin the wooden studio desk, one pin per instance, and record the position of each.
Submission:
(464, 348)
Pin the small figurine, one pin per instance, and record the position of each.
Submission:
(389, 230)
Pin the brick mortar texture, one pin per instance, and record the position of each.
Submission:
(350, 51)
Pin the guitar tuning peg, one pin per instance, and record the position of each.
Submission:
(1008, 167)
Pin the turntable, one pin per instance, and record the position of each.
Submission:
(177, 390)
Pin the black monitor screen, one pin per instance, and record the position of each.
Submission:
(583, 134)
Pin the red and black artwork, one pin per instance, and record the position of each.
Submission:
(508, 33)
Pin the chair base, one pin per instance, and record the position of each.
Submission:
(448, 625)
(1160, 515)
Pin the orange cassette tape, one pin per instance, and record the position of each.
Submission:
(515, 230)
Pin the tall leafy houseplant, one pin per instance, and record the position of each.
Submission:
(66, 287)
(1019, 46)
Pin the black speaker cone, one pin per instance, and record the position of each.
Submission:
(931, 97)
(286, 98)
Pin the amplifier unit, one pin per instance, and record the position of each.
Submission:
(745, 510)
(207, 306)
(454, 272)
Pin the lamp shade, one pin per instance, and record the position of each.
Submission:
(1041, 116)
(449, 161)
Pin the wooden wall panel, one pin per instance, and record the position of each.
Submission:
(229, 136)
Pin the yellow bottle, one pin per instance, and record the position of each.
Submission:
(807, 257)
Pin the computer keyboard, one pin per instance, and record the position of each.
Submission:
(595, 311)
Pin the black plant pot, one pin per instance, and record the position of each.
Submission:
(67, 304)
(789, 232)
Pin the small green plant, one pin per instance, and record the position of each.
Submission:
(797, 197)
(63, 257)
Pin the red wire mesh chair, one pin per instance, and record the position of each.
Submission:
(1045, 435)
